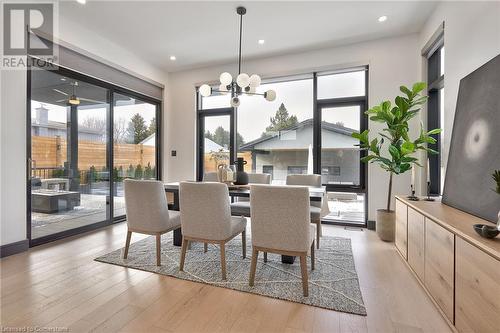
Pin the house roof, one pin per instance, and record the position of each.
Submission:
(306, 123)
(63, 127)
(211, 146)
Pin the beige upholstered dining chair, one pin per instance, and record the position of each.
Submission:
(147, 212)
(317, 208)
(242, 206)
(206, 217)
(280, 227)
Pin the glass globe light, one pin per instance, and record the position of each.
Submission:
(223, 88)
(251, 90)
(226, 78)
(243, 80)
(235, 102)
(205, 90)
(270, 95)
(255, 80)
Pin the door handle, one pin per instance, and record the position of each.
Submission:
(30, 168)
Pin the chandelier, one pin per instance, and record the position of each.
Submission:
(244, 83)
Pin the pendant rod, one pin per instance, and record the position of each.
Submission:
(239, 55)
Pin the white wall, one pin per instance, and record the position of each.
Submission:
(471, 38)
(392, 62)
(13, 123)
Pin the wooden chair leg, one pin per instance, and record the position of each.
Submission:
(265, 256)
(312, 256)
(318, 233)
(127, 244)
(303, 268)
(185, 244)
(253, 266)
(205, 247)
(223, 259)
(158, 250)
(244, 243)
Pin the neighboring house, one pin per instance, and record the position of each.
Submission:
(149, 141)
(42, 126)
(287, 152)
(213, 147)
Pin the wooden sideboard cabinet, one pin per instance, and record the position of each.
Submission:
(439, 266)
(477, 306)
(416, 249)
(401, 240)
(458, 269)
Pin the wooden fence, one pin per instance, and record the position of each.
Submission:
(51, 152)
(210, 163)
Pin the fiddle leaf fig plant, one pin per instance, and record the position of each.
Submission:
(393, 150)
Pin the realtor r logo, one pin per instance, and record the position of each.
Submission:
(39, 17)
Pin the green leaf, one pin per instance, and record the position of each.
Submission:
(367, 158)
(434, 131)
(374, 146)
(393, 150)
(418, 87)
(406, 91)
(407, 148)
(408, 159)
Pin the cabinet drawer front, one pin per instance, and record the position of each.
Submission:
(401, 228)
(439, 265)
(477, 306)
(416, 242)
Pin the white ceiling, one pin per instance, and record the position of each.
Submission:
(206, 33)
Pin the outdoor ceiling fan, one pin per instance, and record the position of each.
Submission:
(73, 99)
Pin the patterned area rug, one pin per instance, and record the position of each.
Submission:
(332, 285)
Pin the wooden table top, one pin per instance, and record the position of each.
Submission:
(458, 222)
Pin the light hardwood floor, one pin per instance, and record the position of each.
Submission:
(60, 285)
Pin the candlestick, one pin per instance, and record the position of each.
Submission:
(428, 171)
(412, 196)
(429, 192)
(413, 176)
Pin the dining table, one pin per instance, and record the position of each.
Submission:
(316, 194)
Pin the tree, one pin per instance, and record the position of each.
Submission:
(222, 137)
(120, 131)
(396, 156)
(281, 120)
(137, 128)
(152, 126)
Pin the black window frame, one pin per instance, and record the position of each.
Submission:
(318, 104)
(201, 114)
(435, 83)
(112, 90)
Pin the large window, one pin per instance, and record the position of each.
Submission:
(435, 112)
(78, 160)
(278, 133)
(306, 130)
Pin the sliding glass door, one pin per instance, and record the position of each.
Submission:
(77, 160)
(134, 144)
(69, 175)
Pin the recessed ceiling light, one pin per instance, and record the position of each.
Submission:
(261, 41)
(382, 18)
(83, 2)
(173, 58)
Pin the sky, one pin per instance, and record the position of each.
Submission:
(254, 112)
(58, 113)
